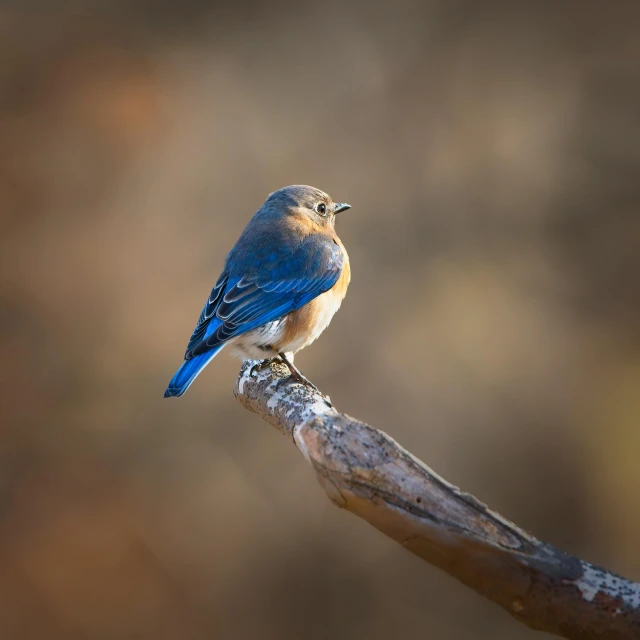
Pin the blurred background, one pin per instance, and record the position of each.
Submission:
(491, 154)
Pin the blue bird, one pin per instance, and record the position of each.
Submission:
(281, 284)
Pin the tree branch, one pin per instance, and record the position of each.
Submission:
(366, 472)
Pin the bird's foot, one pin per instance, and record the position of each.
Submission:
(260, 365)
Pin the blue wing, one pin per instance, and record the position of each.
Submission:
(208, 312)
(269, 289)
(258, 285)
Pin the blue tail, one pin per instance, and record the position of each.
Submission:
(188, 372)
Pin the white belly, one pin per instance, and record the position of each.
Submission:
(255, 344)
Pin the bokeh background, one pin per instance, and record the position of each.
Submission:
(491, 152)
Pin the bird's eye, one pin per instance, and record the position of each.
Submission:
(321, 208)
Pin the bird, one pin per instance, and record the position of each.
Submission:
(281, 285)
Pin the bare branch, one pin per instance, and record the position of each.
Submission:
(366, 472)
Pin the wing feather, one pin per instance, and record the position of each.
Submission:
(208, 312)
(240, 303)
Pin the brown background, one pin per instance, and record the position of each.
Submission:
(491, 152)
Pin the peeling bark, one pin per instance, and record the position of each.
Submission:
(366, 472)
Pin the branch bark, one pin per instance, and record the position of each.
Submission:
(366, 472)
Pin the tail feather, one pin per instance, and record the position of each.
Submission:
(188, 372)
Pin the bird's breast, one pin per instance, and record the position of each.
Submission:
(303, 326)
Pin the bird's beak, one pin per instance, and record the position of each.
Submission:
(338, 207)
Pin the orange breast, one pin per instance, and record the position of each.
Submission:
(305, 325)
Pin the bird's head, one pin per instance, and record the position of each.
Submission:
(304, 200)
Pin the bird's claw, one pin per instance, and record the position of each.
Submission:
(258, 365)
